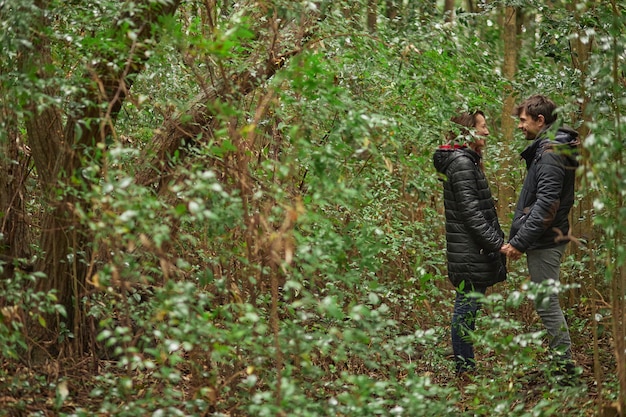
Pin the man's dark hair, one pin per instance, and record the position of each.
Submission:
(538, 105)
(467, 120)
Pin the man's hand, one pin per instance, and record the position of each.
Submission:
(510, 252)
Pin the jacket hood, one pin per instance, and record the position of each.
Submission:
(566, 134)
(564, 141)
(444, 155)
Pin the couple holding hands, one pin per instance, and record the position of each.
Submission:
(476, 246)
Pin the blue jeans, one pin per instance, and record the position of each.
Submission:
(544, 265)
(466, 308)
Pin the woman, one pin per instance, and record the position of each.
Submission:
(473, 233)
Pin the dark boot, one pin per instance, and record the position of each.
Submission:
(565, 372)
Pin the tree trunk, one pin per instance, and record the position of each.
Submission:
(580, 53)
(57, 151)
(372, 15)
(581, 218)
(391, 9)
(14, 164)
(448, 10)
(618, 279)
(509, 69)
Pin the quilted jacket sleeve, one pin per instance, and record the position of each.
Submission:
(550, 175)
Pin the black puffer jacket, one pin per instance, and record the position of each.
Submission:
(541, 216)
(473, 233)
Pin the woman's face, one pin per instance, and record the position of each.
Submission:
(481, 126)
(482, 131)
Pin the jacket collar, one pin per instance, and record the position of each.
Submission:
(531, 150)
(445, 154)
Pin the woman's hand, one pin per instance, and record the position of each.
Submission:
(510, 252)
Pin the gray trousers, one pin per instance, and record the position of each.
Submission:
(544, 265)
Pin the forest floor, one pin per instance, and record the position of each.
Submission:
(64, 386)
(35, 390)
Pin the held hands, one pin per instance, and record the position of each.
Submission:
(510, 252)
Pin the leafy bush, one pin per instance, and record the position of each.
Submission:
(291, 260)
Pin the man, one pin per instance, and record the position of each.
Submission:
(540, 225)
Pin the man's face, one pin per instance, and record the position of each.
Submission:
(529, 126)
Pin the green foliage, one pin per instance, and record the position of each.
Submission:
(294, 264)
(23, 312)
(22, 304)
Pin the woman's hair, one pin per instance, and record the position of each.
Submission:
(467, 120)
